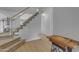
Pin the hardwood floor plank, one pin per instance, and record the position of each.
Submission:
(40, 45)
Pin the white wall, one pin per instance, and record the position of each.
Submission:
(47, 21)
(66, 22)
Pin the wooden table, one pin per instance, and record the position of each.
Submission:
(66, 44)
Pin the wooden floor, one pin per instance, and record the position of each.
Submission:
(40, 45)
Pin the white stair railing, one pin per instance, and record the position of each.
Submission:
(15, 23)
(22, 23)
(5, 23)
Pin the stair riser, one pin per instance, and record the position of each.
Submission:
(5, 36)
(15, 47)
(9, 43)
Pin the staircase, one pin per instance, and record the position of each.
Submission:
(9, 43)
(26, 21)
(8, 40)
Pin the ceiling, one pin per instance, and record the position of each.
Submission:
(12, 9)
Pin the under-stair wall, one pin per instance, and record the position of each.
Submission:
(31, 30)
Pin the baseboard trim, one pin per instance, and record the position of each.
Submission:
(36, 38)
